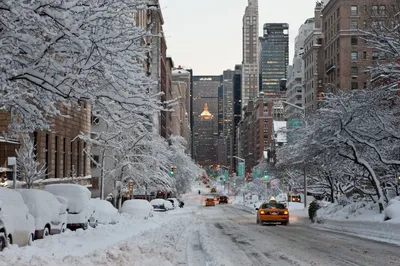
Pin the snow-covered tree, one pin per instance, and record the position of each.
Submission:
(187, 170)
(358, 129)
(56, 53)
(28, 167)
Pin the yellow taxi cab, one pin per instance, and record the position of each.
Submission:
(210, 202)
(213, 190)
(272, 212)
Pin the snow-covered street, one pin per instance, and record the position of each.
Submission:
(198, 235)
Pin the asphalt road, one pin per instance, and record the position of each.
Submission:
(241, 241)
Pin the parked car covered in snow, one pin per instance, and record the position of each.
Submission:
(174, 201)
(161, 205)
(138, 208)
(80, 210)
(49, 214)
(105, 212)
(18, 225)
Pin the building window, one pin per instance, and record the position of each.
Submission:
(47, 154)
(354, 71)
(382, 10)
(56, 158)
(365, 55)
(71, 152)
(95, 161)
(365, 9)
(84, 159)
(354, 40)
(78, 158)
(354, 56)
(354, 25)
(354, 85)
(365, 85)
(374, 10)
(375, 55)
(35, 143)
(65, 157)
(354, 10)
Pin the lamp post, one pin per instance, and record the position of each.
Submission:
(305, 173)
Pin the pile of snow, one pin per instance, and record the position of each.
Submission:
(78, 196)
(355, 211)
(138, 208)
(130, 242)
(392, 211)
(105, 213)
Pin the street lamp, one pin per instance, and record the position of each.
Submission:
(305, 173)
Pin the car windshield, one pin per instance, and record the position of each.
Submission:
(273, 205)
(210, 199)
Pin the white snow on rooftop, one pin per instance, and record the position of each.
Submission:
(180, 71)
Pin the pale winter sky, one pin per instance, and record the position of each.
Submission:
(206, 35)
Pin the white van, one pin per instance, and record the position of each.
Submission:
(80, 210)
(49, 214)
(19, 225)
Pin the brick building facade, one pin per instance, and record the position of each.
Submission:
(60, 150)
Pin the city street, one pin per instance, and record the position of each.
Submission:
(246, 243)
(197, 235)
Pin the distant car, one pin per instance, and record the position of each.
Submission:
(223, 200)
(296, 198)
(138, 208)
(49, 214)
(213, 190)
(80, 210)
(18, 225)
(272, 212)
(210, 202)
(208, 186)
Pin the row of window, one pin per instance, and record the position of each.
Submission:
(375, 10)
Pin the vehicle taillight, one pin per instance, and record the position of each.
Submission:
(285, 212)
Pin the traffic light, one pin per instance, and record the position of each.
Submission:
(173, 170)
(234, 184)
(265, 177)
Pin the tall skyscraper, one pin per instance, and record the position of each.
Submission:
(296, 78)
(237, 114)
(274, 56)
(250, 73)
(205, 127)
(227, 110)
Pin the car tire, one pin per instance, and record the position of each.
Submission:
(285, 223)
(3, 241)
(63, 228)
(46, 232)
(9, 240)
(85, 226)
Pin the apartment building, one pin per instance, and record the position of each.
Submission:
(346, 56)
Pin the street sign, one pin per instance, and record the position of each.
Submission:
(241, 169)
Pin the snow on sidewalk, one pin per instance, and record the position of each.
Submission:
(90, 247)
